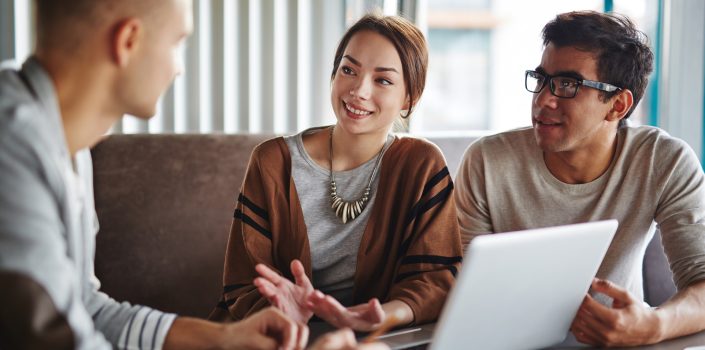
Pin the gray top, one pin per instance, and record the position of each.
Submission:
(334, 245)
(503, 185)
(48, 221)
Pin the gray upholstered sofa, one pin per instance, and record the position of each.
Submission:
(165, 205)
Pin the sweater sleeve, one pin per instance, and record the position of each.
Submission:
(431, 252)
(680, 213)
(249, 244)
(471, 195)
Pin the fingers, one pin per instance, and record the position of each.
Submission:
(297, 269)
(584, 334)
(596, 310)
(302, 337)
(587, 329)
(265, 287)
(613, 291)
(269, 274)
(327, 308)
(259, 341)
(280, 327)
(375, 312)
(342, 339)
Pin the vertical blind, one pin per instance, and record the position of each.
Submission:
(251, 66)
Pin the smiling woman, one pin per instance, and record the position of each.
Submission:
(313, 202)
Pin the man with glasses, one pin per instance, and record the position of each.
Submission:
(580, 162)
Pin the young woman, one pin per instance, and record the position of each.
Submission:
(352, 213)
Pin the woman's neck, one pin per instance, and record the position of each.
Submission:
(351, 151)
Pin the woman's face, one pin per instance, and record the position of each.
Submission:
(368, 90)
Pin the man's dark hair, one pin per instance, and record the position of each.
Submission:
(623, 55)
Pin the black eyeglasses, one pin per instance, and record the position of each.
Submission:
(563, 87)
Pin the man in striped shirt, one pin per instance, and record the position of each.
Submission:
(94, 61)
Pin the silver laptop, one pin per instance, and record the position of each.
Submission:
(516, 290)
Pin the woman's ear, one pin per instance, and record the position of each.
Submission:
(407, 104)
(127, 38)
(621, 104)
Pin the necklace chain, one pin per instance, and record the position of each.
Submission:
(349, 210)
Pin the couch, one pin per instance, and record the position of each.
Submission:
(165, 204)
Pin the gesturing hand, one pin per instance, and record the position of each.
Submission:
(363, 317)
(627, 323)
(291, 298)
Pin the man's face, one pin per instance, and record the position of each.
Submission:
(158, 60)
(570, 124)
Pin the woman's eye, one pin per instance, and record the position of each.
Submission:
(384, 82)
(346, 70)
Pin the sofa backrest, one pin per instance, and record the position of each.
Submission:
(165, 205)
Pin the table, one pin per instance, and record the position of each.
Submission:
(693, 340)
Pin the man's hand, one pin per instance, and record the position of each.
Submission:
(291, 298)
(627, 323)
(344, 340)
(267, 329)
(363, 317)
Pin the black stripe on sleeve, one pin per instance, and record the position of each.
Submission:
(431, 259)
(224, 304)
(156, 331)
(144, 323)
(435, 180)
(129, 328)
(248, 220)
(420, 208)
(402, 276)
(252, 206)
(231, 287)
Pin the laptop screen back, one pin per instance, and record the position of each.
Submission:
(521, 290)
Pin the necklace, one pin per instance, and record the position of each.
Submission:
(348, 211)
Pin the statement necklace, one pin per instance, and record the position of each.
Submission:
(348, 211)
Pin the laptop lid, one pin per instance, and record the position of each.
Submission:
(521, 290)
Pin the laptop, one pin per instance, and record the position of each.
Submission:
(516, 290)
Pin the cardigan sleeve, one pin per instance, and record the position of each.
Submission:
(431, 252)
(249, 244)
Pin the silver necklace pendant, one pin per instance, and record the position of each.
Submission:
(347, 211)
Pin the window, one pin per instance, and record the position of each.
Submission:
(479, 50)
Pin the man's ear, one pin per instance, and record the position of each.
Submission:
(621, 104)
(126, 40)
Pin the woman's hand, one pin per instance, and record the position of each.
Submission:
(363, 317)
(291, 298)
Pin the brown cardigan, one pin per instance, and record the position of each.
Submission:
(410, 249)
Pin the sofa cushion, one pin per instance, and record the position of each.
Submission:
(165, 204)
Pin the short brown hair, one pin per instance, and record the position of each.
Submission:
(65, 22)
(409, 43)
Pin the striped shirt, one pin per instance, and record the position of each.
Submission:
(48, 221)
